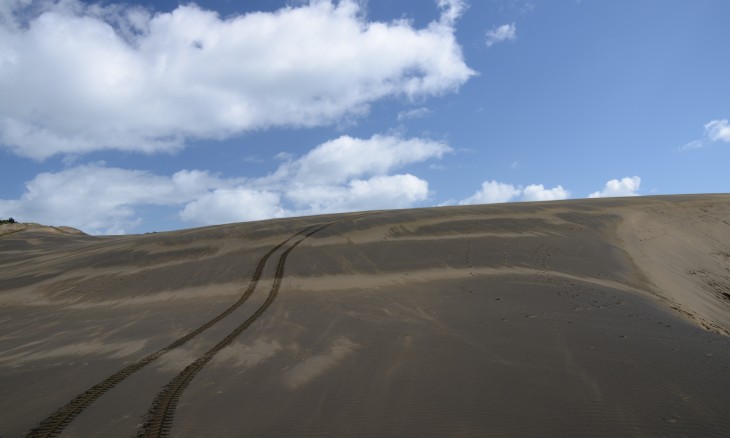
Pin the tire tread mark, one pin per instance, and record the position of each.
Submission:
(56, 422)
(160, 416)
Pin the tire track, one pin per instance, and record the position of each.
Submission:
(161, 414)
(54, 424)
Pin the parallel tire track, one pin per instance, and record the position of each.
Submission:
(54, 424)
(160, 416)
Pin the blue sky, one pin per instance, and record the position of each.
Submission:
(152, 116)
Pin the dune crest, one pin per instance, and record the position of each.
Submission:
(30, 226)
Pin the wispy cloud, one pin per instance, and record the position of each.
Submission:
(451, 10)
(416, 113)
(501, 33)
(694, 144)
(714, 131)
(718, 130)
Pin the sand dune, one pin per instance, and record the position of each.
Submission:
(602, 317)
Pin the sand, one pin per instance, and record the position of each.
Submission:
(604, 317)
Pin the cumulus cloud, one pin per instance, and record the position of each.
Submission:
(77, 78)
(344, 158)
(378, 192)
(233, 205)
(501, 33)
(492, 192)
(538, 192)
(102, 200)
(495, 192)
(345, 174)
(624, 187)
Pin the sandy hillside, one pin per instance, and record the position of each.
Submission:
(602, 317)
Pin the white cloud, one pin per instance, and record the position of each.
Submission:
(77, 78)
(349, 174)
(379, 192)
(415, 113)
(537, 192)
(695, 144)
(345, 174)
(102, 200)
(718, 130)
(504, 32)
(233, 205)
(492, 192)
(451, 10)
(715, 130)
(624, 187)
(339, 160)
(495, 192)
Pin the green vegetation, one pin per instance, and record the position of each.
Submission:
(7, 221)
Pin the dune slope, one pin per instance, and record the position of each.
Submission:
(601, 317)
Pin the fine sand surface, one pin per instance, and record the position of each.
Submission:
(602, 317)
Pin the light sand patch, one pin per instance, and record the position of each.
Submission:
(476, 217)
(240, 355)
(29, 296)
(23, 296)
(380, 280)
(338, 240)
(191, 293)
(399, 231)
(176, 360)
(681, 254)
(315, 366)
(115, 350)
